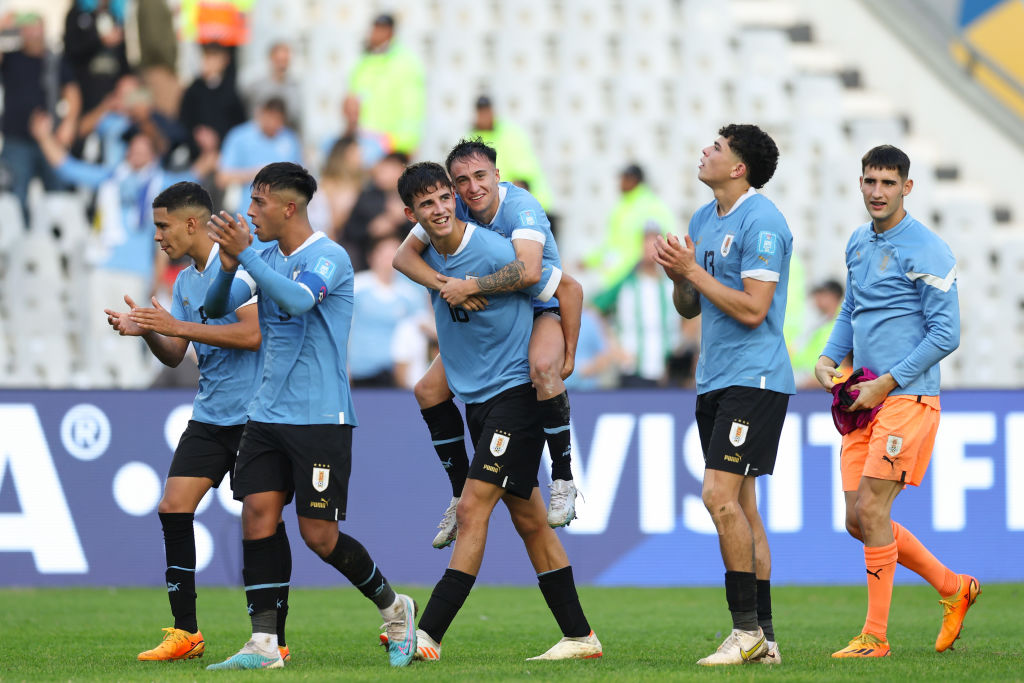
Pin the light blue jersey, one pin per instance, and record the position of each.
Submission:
(379, 308)
(901, 314)
(227, 377)
(305, 306)
(519, 216)
(484, 352)
(751, 241)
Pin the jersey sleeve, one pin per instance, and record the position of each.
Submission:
(764, 251)
(529, 220)
(309, 287)
(550, 277)
(419, 233)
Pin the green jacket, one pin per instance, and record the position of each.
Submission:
(516, 160)
(391, 92)
(623, 243)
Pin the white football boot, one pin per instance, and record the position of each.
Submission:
(562, 506)
(739, 648)
(587, 647)
(448, 529)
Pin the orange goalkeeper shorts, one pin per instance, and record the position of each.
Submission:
(896, 445)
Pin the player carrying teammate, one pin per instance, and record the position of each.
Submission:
(227, 349)
(298, 440)
(515, 214)
(733, 270)
(485, 355)
(900, 317)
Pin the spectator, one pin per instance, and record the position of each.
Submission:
(94, 46)
(383, 298)
(341, 182)
(389, 84)
(646, 329)
(594, 353)
(826, 299)
(413, 346)
(123, 253)
(251, 146)
(129, 105)
(34, 79)
(638, 211)
(273, 80)
(211, 104)
(518, 163)
(372, 146)
(378, 211)
(153, 53)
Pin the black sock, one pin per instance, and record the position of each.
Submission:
(555, 412)
(764, 608)
(448, 436)
(351, 559)
(741, 594)
(261, 572)
(180, 550)
(445, 602)
(284, 554)
(559, 591)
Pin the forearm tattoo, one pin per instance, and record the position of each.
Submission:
(508, 279)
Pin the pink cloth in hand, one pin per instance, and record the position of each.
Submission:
(843, 396)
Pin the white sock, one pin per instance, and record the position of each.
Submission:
(266, 642)
(394, 611)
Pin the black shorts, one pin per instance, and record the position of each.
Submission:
(206, 450)
(508, 439)
(554, 310)
(740, 429)
(313, 462)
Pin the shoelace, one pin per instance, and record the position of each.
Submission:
(948, 605)
(448, 514)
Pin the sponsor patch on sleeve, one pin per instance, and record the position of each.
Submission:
(766, 242)
(324, 268)
(527, 217)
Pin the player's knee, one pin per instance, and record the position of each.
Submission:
(528, 525)
(428, 394)
(319, 542)
(468, 513)
(172, 506)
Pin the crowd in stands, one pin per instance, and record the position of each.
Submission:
(112, 119)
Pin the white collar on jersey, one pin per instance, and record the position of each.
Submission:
(502, 191)
(214, 252)
(742, 198)
(309, 240)
(470, 227)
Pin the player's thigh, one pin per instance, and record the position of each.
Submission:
(902, 438)
(547, 344)
(745, 431)
(206, 451)
(432, 387)
(182, 494)
(528, 514)
(852, 456)
(321, 461)
(508, 440)
(262, 464)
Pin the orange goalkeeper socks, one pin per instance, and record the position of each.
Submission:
(918, 559)
(881, 565)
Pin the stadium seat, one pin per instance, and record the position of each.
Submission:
(12, 223)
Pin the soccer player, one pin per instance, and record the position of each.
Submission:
(298, 440)
(900, 317)
(486, 359)
(732, 269)
(514, 213)
(227, 349)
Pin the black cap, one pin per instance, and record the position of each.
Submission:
(634, 171)
(483, 102)
(384, 19)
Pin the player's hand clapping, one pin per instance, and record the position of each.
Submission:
(679, 259)
(233, 236)
(122, 322)
(155, 319)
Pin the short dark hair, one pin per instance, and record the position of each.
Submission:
(886, 156)
(830, 286)
(755, 148)
(284, 175)
(471, 147)
(277, 104)
(182, 195)
(634, 171)
(421, 178)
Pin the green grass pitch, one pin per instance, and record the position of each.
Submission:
(648, 634)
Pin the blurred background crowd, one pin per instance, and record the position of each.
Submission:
(600, 109)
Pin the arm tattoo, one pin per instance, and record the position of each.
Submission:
(508, 279)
